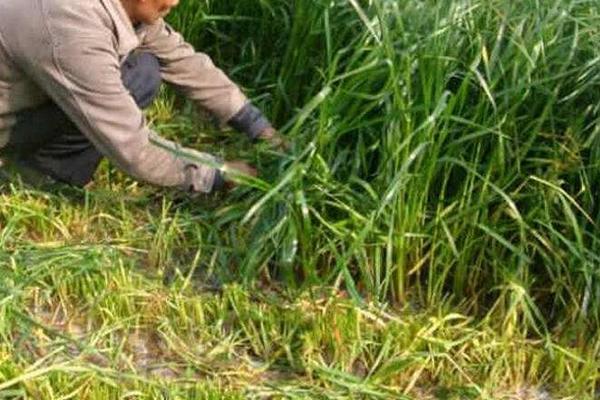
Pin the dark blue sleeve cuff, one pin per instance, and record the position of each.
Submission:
(249, 120)
(219, 182)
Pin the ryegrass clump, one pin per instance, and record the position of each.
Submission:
(441, 148)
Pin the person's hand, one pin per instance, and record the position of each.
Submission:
(237, 168)
(275, 139)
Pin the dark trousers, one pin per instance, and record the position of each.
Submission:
(46, 140)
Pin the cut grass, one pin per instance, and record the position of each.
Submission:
(101, 312)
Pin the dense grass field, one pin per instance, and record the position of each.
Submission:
(432, 234)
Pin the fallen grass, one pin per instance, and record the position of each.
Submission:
(93, 314)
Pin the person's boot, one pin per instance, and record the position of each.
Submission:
(14, 170)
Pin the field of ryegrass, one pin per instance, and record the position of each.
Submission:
(432, 234)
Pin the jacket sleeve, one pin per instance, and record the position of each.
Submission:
(193, 73)
(81, 73)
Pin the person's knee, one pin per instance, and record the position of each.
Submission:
(150, 69)
(141, 76)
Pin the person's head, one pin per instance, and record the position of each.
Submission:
(148, 11)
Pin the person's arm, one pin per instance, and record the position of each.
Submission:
(80, 71)
(195, 75)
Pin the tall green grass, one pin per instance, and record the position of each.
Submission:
(442, 150)
(431, 234)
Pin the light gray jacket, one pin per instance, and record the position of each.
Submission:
(70, 51)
